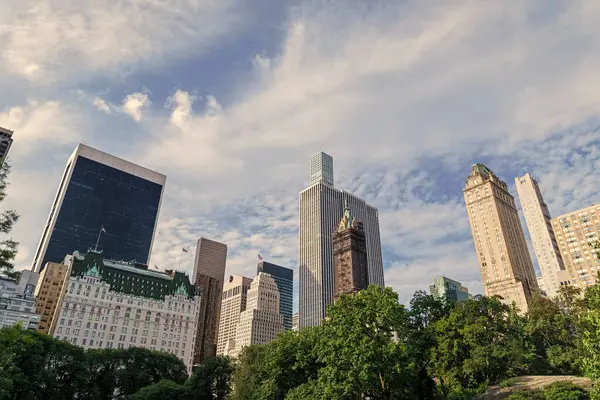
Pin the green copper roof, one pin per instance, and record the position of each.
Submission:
(130, 278)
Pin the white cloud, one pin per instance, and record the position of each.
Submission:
(134, 104)
(404, 95)
(59, 39)
(102, 105)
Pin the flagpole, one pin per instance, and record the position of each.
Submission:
(98, 240)
(180, 255)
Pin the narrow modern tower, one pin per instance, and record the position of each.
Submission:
(284, 278)
(539, 225)
(209, 273)
(321, 208)
(102, 194)
(349, 256)
(505, 263)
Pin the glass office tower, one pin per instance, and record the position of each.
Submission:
(284, 278)
(99, 190)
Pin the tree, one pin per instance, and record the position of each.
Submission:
(8, 247)
(140, 367)
(591, 333)
(211, 379)
(39, 366)
(251, 373)
(554, 334)
(163, 390)
(479, 343)
(363, 348)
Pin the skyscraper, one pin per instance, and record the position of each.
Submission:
(47, 293)
(321, 208)
(539, 225)
(5, 143)
(284, 278)
(209, 273)
(574, 233)
(261, 322)
(100, 192)
(349, 256)
(235, 294)
(504, 260)
(448, 288)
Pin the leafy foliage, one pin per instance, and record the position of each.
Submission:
(8, 247)
(555, 391)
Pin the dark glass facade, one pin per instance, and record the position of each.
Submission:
(98, 195)
(284, 278)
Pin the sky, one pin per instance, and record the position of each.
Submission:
(231, 98)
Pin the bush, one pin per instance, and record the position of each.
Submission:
(527, 395)
(565, 391)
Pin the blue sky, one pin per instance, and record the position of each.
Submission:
(230, 99)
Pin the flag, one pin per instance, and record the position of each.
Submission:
(184, 250)
(156, 267)
(102, 229)
(259, 258)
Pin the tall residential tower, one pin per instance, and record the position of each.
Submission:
(321, 209)
(98, 193)
(5, 143)
(505, 263)
(539, 225)
(209, 273)
(235, 295)
(575, 231)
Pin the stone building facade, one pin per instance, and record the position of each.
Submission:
(349, 256)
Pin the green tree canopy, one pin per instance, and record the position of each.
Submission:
(8, 218)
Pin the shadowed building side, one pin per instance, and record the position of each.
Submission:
(209, 273)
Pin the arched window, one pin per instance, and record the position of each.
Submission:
(157, 318)
(138, 314)
(148, 313)
(128, 313)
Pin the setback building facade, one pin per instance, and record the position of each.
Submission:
(321, 208)
(17, 301)
(235, 295)
(102, 194)
(115, 304)
(505, 263)
(209, 273)
(284, 278)
(450, 289)
(261, 322)
(575, 231)
(539, 225)
(47, 293)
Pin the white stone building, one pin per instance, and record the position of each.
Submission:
(17, 301)
(235, 292)
(108, 304)
(262, 321)
(539, 225)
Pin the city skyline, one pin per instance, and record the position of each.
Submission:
(232, 116)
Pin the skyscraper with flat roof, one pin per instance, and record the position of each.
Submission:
(321, 209)
(504, 260)
(209, 273)
(448, 288)
(575, 231)
(284, 278)
(102, 194)
(539, 225)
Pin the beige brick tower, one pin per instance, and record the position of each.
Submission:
(504, 261)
